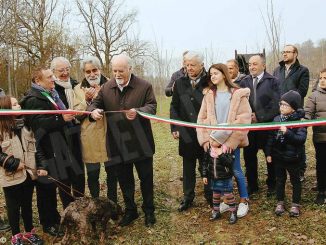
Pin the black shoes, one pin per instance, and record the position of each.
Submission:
(184, 205)
(150, 219)
(252, 191)
(233, 217)
(53, 231)
(215, 215)
(128, 218)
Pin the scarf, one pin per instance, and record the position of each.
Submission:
(53, 94)
(68, 91)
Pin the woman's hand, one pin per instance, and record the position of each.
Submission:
(269, 159)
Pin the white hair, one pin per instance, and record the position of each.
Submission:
(194, 55)
(90, 60)
(57, 60)
(121, 57)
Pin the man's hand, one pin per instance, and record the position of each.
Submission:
(226, 149)
(89, 93)
(283, 129)
(206, 146)
(97, 114)
(269, 159)
(175, 135)
(68, 117)
(131, 114)
(205, 181)
(42, 172)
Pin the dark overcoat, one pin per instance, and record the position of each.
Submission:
(127, 140)
(185, 106)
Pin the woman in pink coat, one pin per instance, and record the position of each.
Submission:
(225, 103)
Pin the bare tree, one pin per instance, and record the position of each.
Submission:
(272, 26)
(109, 30)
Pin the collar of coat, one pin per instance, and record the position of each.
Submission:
(239, 92)
(131, 82)
(295, 64)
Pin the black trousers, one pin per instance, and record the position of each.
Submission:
(47, 203)
(19, 199)
(281, 169)
(257, 140)
(320, 149)
(93, 174)
(126, 179)
(189, 180)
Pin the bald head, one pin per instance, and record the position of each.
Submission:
(121, 68)
(256, 65)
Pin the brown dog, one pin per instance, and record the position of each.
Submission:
(82, 218)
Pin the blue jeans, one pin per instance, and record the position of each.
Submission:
(239, 176)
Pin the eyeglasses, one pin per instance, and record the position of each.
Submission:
(67, 69)
(284, 104)
(287, 52)
(88, 72)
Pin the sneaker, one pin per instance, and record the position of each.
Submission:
(17, 239)
(215, 215)
(302, 177)
(320, 199)
(295, 211)
(53, 231)
(224, 207)
(243, 209)
(32, 238)
(279, 210)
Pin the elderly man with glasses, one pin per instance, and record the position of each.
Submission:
(293, 76)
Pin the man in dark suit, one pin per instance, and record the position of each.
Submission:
(130, 139)
(293, 76)
(185, 105)
(264, 98)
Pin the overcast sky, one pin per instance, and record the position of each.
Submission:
(226, 25)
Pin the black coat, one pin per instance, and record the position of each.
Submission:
(185, 106)
(291, 149)
(49, 131)
(268, 96)
(297, 80)
(218, 168)
(128, 141)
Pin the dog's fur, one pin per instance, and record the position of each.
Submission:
(82, 218)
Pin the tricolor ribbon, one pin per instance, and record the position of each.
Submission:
(239, 127)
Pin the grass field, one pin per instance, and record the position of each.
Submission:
(260, 226)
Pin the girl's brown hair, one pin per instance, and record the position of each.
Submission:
(224, 69)
(6, 122)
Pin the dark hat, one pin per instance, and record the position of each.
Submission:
(293, 98)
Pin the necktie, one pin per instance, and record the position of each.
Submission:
(255, 82)
(193, 84)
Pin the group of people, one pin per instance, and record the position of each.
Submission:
(50, 151)
(57, 147)
(225, 96)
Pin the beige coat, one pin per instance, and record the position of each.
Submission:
(239, 113)
(93, 134)
(23, 150)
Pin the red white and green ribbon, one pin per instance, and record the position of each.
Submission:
(239, 127)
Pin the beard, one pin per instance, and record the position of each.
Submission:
(92, 82)
(120, 81)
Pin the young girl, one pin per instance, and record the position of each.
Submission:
(218, 167)
(316, 108)
(285, 147)
(16, 175)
